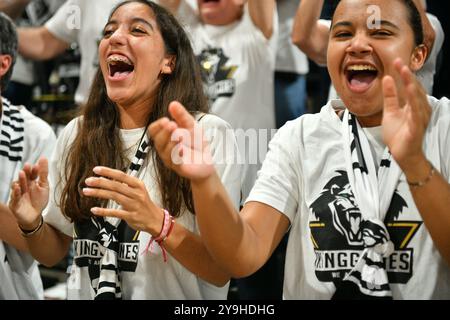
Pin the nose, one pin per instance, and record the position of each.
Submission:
(359, 45)
(118, 37)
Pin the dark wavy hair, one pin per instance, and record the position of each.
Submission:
(415, 21)
(98, 139)
(8, 45)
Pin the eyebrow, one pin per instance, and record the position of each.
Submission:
(349, 24)
(134, 20)
(342, 23)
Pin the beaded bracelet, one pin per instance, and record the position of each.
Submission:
(423, 182)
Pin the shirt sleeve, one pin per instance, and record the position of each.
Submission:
(52, 213)
(278, 182)
(66, 22)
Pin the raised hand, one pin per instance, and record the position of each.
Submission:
(29, 194)
(404, 123)
(137, 209)
(181, 145)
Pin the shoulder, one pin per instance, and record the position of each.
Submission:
(440, 107)
(210, 121)
(70, 130)
(35, 125)
(327, 118)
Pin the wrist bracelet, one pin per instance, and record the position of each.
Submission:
(168, 222)
(29, 233)
(423, 182)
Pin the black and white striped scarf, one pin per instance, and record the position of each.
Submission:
(109, 283)
(373, 194)
(11, 146)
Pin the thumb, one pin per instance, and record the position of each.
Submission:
(183, 118)
(43, 172)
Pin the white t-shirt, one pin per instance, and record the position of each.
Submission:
(82, 21)
(304, 177)
(24, 139)
(238, 64)
(289, 57)
(426, 73)
(144, 276)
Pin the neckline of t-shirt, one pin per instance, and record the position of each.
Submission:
(131, 135)
(374, 134)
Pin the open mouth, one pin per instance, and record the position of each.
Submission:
(360, 76)
(120, 67)
(203, 2)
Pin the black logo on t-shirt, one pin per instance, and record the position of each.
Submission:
(217, 77)
(336, 233)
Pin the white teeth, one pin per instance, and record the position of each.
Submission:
(116, 58)
(361, 67)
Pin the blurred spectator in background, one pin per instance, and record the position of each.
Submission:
(290, 69)
(26, 13)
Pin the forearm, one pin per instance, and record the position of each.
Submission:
(13, 8)
(170, 5)
(433, 202)
(308, 34)
(229, 239)
(9, 230)
(261, 13)
(48, 246)
(39, 43)
(188, 249)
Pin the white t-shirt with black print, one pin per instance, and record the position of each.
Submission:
(24, 138)
(238, 63)
(143, 276)
(82, 21)
(304, 177)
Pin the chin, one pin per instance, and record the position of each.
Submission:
(118, 97)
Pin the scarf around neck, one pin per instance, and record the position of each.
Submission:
(373, 194)
(109, 282)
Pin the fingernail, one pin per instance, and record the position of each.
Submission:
(97, 169)
(86, 190)
(94, 210)
(89, 180)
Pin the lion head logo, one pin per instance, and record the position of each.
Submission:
(336, 208)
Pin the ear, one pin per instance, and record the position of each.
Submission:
(168, 64)
(5, 64)
(418, 58)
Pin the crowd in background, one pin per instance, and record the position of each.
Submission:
(262, 63)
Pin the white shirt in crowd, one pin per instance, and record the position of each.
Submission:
(304, 177)
(144, 276)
